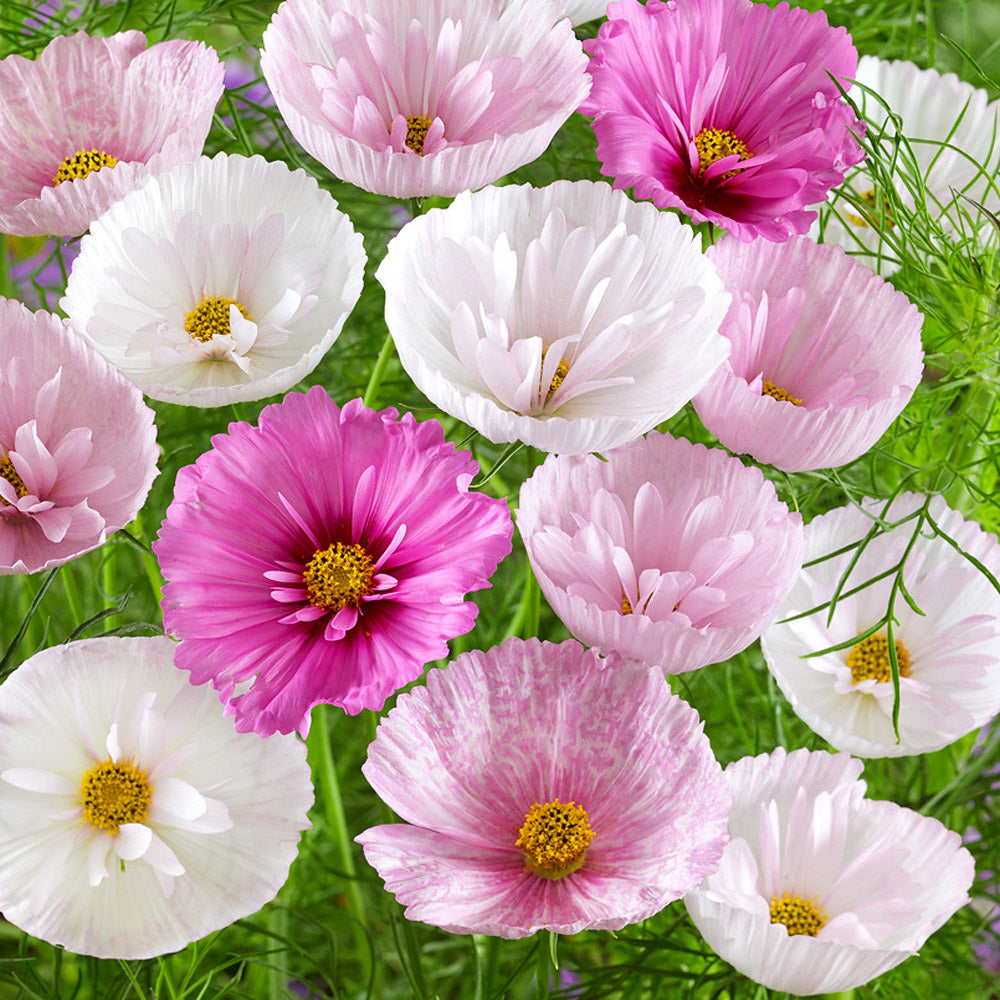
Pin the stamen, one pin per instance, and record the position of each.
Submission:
(776, 392)
(417, 127)
(555, 838)
(81, 163)
(211, 317)
(800, 916)
(869, 659)
(9, 473)
(626, 603)
(562, 370)
(339, 576)
(714, 144)
(115, 793)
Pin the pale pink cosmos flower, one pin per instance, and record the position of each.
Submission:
(948, 656)
(667, 551)
(77, 443)
(91, 118)
(724, 109)
(423, 97)
(825, 355)
(821, 889)
(323, 556)
(568, 317)
(543, 787)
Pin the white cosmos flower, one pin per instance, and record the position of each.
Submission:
(949, 656)
(223, 280)
(134, 819)
(568, 317)
(821, 889)
(581, 11)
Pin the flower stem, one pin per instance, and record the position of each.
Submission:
(375, 379)
(542, 967)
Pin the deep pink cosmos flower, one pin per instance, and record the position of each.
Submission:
(546, 788)
(323, 556)
(724, 109)
(91, 118)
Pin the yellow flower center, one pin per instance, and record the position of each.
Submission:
(869, 659)
(9, 473)
(114, 793)
(555, 838)
(562, 370)
(776, 392)
(800, 916)
(626, 603)
(339, 576)
(417, 127)
(211, 317)
(714, 144)
(872, 221)
(81, 163)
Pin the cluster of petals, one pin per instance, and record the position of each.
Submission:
(423, 97)
(948, 653)
(374, 509)
(133, 818)
(77, 443)
(223, 280)
(498, 734)
(568, 317)
(724, 109)
(825, 355)
(879, 879)
(667, 551)
(146, 109)
(953, 135)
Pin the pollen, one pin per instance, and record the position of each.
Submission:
(555, 838)
(869, 659)
(81, 163)
(339, 576)
(626, 603)
(800, 916)
(417, 127)
(776, 392)
(9, 473)
(211, 317)
(562, 370)
(714, 144)
(113, 793)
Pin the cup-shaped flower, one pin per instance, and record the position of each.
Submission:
(323, 556)
(133, 818)
(91, 118)
(422, 97)
(825, 355)
(821, 889)
(669, 552)
(724, 109)
(568, 317)
(543, 787)
(77, 443)
(225, 279)
(947, 657)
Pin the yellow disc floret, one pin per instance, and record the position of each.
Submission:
(211, 317)
(869, 659)
(714, 144)
(800, 916)
(9, 473)
(339, 576)
(776, 392)
(81, 163)
(555, 838)
(113, 793)
(562, 370)
(417, 127)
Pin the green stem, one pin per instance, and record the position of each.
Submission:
(542, 967)
(277, 973)
(375, 379)
(72, 597)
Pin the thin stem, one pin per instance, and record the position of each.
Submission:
(542, 967)
(375, 379)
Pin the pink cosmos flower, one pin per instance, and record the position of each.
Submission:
(546, 788)
(91, 118)
(323, 556)
(422, 97)
(77, 444)
(724, 109)
(669, 552)
(825, 355)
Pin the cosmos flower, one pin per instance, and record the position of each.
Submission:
(948, 657)
(422, 97)
(667, 551)
(821, 889)
(724, 109)
(543, 787)
(568, 317)
(77, 444)
(133, 818)
(323, 556)
(91, 118)
(225, 279)
(825, 355)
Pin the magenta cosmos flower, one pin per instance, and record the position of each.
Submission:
(91, 118)
(543, 787)
(323, 556)
(670, 552)
(724, 109)
(77, 444)
(825, 355)
(422, 97)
